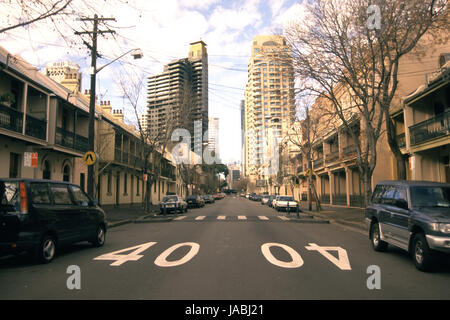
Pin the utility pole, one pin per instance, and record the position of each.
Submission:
(92, 100)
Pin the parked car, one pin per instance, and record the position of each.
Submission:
(265, 199)
(208, 198)
(173, 203)
(195, 201)
(270, 200)
(218, 196)
(411, 215)
(285, 203)
(41, 216)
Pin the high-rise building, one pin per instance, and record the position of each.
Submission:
(178, 97)
(269, 104)
(213, 135)
(143, 120)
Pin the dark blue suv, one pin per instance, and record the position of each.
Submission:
(412, 215)
(40, 216)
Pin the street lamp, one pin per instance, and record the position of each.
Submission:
(137, 54)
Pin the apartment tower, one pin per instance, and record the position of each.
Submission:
(178, 97)
(269, 105)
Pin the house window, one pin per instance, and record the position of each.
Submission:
(46, 172)
(137, 185)
(14, 165)
(66, 173)
(82, 181)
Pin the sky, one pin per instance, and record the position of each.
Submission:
(163, 31)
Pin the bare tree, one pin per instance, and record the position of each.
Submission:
(23, 13)
(352, 63)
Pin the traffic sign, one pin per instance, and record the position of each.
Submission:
(89, 158)
(30, 159)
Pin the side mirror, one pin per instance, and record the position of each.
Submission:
(95, 202)
(84, 204)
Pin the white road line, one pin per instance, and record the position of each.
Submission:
(242, 217)
(221, 217)
(283, 218)
(200, 218)
(263, 218)
(180, 218)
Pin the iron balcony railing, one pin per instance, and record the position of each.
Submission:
(325, 198)
(357, 200)
(435, 127)
(331, 157)
(11, 119)
(349, 150)
(340, 199)
(71, 140)
(317, 163)
(35, 128)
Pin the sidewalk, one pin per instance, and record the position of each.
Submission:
(348, 217)
(118, 215)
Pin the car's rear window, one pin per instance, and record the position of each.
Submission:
(169, 198)
(9, 194)
(286, 199)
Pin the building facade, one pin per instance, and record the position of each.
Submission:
(269, 106)
(178, 97)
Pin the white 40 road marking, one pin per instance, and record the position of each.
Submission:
(160, 261)
(341, 262)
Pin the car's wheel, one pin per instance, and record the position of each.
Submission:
(377, 243)
(423, 256)
(46, 250)
(100, 237)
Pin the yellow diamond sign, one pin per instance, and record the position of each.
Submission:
(89, 158)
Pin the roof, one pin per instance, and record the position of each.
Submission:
(415, 183)
(435, 80)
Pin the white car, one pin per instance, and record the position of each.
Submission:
(285, 203)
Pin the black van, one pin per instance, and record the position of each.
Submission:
(40, 216)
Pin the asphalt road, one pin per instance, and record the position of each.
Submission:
(233, 249)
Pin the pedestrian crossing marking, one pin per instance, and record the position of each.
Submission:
(242, 217)
(221, 217)
(180, 218)
(283, 218)
(232, 218)
(263, 218)
(200, 218)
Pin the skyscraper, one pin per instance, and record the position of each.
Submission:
(178, 97)
(269, 104)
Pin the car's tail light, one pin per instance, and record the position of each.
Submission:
(23, 198)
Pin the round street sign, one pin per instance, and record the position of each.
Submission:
(89, 158)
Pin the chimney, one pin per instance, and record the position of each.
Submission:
(118, 115)
(106, 107)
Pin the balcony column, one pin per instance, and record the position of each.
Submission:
(331, 179)
(75, 113)
(348, 186)
(408, 119)
(47, 114)
(24, 107)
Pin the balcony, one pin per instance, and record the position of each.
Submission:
(11, 119)
(71, 140)
(317, 163)
(332, 157)
(35, 128)
(438, 126)
(349, 151)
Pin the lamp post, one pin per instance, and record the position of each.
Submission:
(93, 72)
